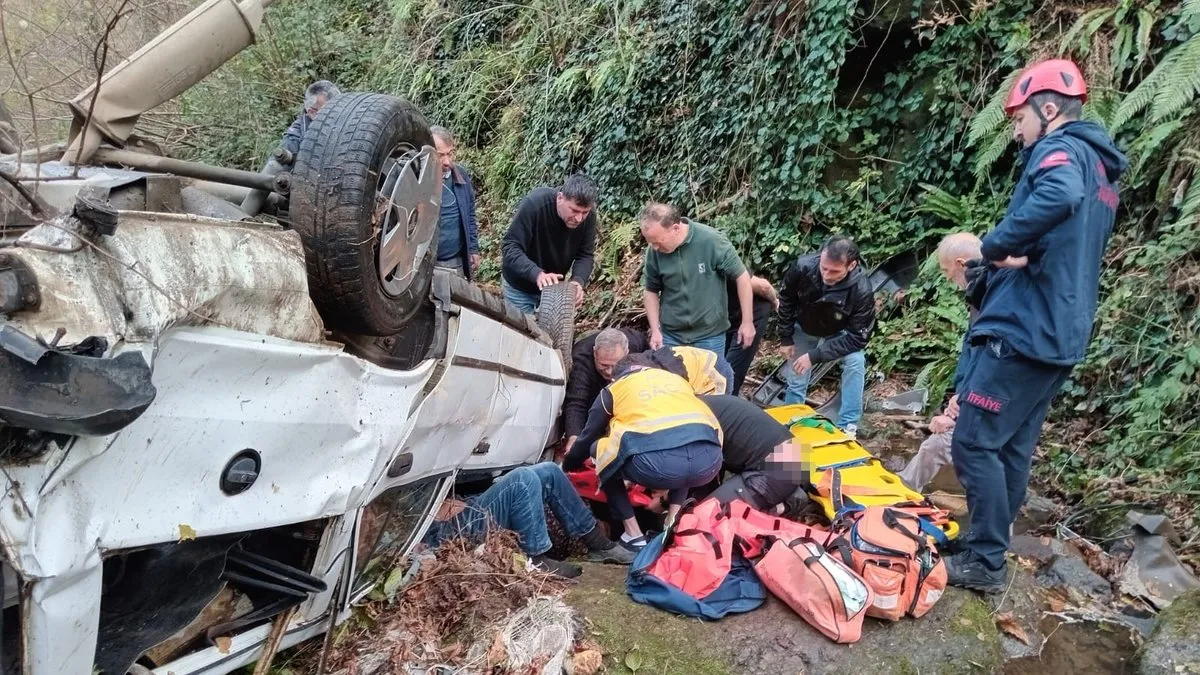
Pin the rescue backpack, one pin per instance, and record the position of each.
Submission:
(824, 591)
(889, 548)
(694, 569)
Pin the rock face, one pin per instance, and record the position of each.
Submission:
(1174, 647)
(958, 636)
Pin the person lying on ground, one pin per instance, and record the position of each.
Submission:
(739, 356)
(758, 451)
(516, 501)
(706, 371)
(958, 254)
(592, 362)
(553, 233)
(649, 428)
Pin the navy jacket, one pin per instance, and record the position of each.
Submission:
(295, 134)
(1060, 216)
(464, 194)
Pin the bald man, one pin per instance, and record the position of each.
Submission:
(960, 259)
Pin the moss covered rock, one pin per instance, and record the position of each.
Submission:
(1174, 647)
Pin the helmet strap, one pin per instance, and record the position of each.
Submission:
(1042, 118)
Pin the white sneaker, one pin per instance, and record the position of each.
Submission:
(851, 431)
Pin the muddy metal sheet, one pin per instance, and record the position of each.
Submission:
(165, 270)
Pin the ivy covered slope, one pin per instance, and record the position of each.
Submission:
(780, 121)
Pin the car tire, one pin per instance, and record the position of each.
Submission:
(367, 180)
(556, 316)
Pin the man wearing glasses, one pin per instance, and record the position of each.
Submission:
(458, 231)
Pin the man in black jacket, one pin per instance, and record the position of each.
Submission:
(552, 233)
(592, 361)
(827, 313)
(759, 451)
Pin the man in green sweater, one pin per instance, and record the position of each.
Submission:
(687, 265)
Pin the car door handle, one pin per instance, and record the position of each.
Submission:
(401, 465)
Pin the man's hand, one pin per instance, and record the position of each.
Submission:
(745, 334)
(802, 365)
(570, 444)
(1013, 263)
(475, 258)
(941, 424)
(545, 279)
(656, 339)
(952, 407)
(578, 292)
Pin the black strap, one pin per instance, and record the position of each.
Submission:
(712, 540)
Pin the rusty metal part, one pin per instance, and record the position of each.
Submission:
(218, 174)
(93, 208)
(18, 286)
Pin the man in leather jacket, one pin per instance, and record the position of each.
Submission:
(827, 313)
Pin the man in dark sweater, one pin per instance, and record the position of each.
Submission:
(827, 313)
(593, 359)
(759, 451)
(552, 233)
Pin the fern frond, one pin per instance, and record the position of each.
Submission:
(1145, 29)
(1122, 50)
(942, 204)
(1146, 91)
(1189, 209)
(992, 115)
(993, 152)
(1183, 83)
(1084, 30)
(1191, 10)
(1144, 148)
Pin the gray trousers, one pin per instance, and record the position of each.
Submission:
(933, 454)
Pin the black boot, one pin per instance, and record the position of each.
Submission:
(965, 570)
(562, 569)
(604, 550)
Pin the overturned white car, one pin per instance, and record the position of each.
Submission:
(210, 425)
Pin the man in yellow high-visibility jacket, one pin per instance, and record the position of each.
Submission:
(648, 427)
(708, 372)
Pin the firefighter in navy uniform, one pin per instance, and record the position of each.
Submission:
(1035, 320)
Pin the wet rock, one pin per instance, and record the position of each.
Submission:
(1174, 647)
(1041, 550)
(1036, 512)
(1068, 571)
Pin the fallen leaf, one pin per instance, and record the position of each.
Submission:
(1007, 623)
(223, 644)
(1056, 601)
(186, 532)
(392, 583)
(497, 654)
(588, 662)
(633, 660)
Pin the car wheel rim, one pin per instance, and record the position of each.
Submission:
(407, 204)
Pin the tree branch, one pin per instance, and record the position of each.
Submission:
(100, 58)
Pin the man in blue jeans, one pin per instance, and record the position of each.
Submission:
(827, 313)
(517, 502)
(1035, 317)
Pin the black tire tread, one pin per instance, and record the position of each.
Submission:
(556, 316)
(331, 205)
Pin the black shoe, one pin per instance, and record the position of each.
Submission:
(562, 569)
(965, 570)
(614, 554)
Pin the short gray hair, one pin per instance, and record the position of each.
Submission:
(611, 339)
(442, 133)
(960, 245)
(319, 88)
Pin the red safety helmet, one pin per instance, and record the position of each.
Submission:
(1057, 75)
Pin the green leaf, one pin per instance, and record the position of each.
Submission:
(1183, 83)
(633, 661)
(392, 583)
(992, 116)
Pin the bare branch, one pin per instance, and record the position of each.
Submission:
(99, 57)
